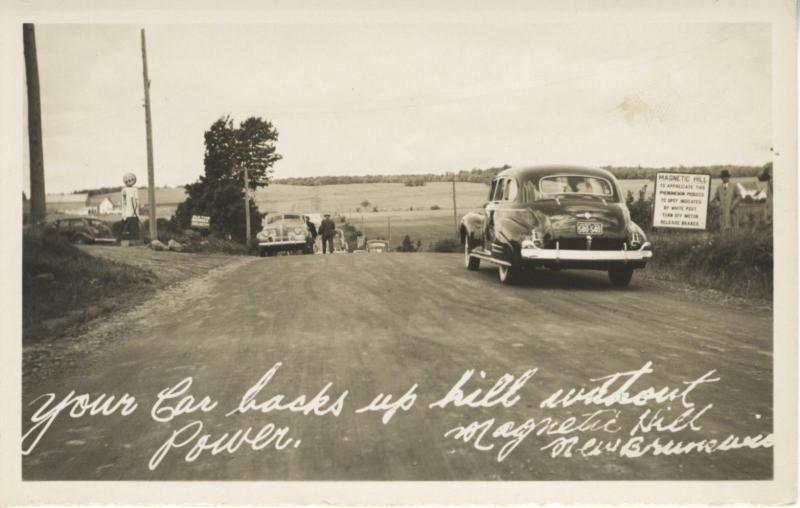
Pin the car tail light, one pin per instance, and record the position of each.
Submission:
(636, 240)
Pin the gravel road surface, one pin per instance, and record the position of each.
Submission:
(372, 324)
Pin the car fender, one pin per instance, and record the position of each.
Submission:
(471, 225)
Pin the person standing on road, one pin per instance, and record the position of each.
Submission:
(327, 229)
(130, 209)
(728, 197)
(313, 230)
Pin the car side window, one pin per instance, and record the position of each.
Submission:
(491, 190)
(498, 193)
(511, 190)
(528, 192)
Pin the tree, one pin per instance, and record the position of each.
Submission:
(219, 192)
(407, 245)
(365, 204)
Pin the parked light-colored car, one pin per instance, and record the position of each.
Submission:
(284, 232)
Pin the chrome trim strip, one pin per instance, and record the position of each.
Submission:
(586, 255)
(490, 259)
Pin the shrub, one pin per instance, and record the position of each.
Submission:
(445, 245)
(436, 207)
(406, 246)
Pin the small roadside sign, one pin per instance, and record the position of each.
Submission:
(681, 200)
(200, 221)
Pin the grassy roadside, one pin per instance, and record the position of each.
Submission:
(63, 286)
(740, 265)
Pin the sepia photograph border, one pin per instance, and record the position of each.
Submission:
(780, 14)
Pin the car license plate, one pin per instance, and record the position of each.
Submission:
(590, 228)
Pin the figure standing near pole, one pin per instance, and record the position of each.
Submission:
(129, 201)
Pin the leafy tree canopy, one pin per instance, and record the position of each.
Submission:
(219, 193)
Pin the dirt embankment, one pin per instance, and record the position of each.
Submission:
(66, 287)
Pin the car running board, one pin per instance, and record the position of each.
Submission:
(486, 256)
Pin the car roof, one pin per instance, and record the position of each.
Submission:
(537, 172)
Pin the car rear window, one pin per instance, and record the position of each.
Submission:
(576, 184)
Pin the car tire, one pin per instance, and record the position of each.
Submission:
(80, 240)
(509, 275)
(262, 252)
(470, 262)
(620, 277)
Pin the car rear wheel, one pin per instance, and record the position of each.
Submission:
(509, 275)
(80, 240)
(620, 277)
(470, 262)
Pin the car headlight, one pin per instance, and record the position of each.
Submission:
(266, 234)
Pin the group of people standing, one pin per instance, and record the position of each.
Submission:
(728, 196)
(327, 231)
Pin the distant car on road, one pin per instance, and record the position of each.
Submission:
(555, 217)
(84, 230)
(377, 246)
(284, 232)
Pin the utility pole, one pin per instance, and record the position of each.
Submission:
(389, 219)
(246, 204)
(38, 204)
(151, 186)
(455, 212)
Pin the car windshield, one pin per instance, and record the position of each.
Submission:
(278, 217)
(576, 184)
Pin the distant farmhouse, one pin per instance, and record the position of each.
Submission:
(105, 207)
(80, 204)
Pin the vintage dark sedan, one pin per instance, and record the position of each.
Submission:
(82, 230)
(555, 217)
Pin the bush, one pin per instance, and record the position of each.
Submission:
(436, 207)
(445, 245)
(406, 246)
(224, 203)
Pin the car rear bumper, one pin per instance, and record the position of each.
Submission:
(105, 240)
(587, 258)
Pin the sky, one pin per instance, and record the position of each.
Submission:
(416, 98)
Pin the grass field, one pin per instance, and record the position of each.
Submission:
(409, 207)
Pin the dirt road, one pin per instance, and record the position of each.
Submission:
(375, 324)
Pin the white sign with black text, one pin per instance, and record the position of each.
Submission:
(681, 201)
